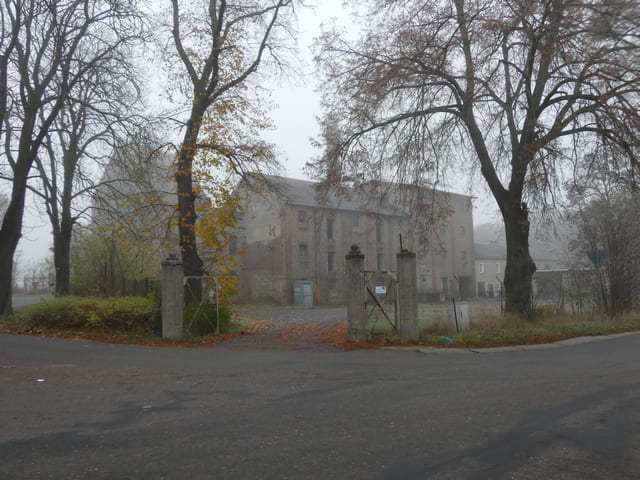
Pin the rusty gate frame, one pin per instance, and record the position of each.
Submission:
(377, 302)
(207, 293)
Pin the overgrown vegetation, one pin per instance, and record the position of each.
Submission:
(126, 314)
(113, 264)
(119, 319)
(493, 331)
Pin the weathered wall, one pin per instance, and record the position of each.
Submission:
(284, 241)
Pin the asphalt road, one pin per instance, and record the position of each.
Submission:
(75, 409)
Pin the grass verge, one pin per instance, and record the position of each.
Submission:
(112, 320)
(498, 331)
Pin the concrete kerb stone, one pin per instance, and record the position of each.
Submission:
(515, 348)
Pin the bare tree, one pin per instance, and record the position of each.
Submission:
(220, 44)
(513, 88)
(78, 146)
(604, 202)
(48, 47)
(134, 203)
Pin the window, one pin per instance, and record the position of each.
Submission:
(355, 220)
(461, 230)
(329, 228)
(379, 231)
(331, 261)
(497, 267)
(302, 216)
(233, 245)
(302, 250)
(481, 268)
(463, 256)
(333, 285)
(380, 261)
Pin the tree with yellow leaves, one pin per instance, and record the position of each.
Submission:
(219, 46)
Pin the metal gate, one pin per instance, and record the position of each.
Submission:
(209, 291)
(381, 299)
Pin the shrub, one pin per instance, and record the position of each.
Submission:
(118, 314)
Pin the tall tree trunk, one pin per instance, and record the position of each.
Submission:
(191, 261)
(519, 270)
(10, 234)
(64, 221)
(7, 247)
(11, 229)
(61, 257)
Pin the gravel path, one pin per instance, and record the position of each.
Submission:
(295, 329)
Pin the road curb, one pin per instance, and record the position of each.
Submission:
(515, 348)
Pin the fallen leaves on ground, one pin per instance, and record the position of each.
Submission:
(99, 335)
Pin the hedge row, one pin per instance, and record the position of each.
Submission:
(127, 314)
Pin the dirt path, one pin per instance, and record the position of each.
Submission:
(295, 329)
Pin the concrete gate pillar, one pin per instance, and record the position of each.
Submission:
(354, 287)
(407, 296)
(172, 297)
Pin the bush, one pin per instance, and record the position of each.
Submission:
(125, 314)
(203, 321)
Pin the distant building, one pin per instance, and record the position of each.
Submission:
(491, 260)
(290, 240)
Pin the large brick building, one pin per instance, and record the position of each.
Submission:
(287, 237)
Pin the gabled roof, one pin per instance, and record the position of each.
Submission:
(305, 193)
(489, 251)
(497, 251)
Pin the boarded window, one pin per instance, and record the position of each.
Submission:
(331, 261)
(330, 228)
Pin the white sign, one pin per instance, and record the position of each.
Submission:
(381, 290)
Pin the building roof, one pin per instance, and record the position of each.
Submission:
(378, 198)
(489, 251)
(306, 193)
(498, 251)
